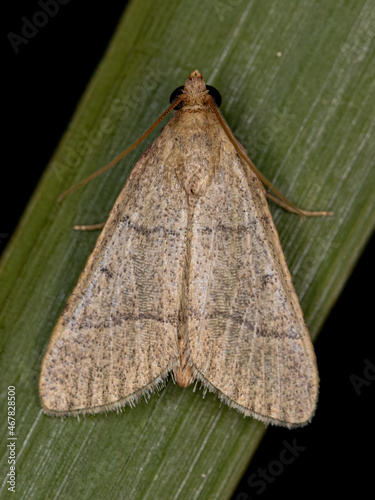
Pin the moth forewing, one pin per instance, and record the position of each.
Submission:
(115, 341)
(187, 276)
(247, 337)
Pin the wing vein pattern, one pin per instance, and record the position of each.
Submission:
(252, 316)
(116, 339)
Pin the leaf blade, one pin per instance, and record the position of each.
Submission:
(304, 121)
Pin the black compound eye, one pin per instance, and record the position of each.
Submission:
(215, 94)
(176, 93)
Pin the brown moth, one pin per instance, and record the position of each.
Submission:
(187, 276)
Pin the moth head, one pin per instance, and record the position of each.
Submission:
(195, 92)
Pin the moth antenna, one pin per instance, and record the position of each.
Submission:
(123, 154)
(284, 202)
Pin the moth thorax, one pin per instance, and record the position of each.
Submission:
(194, 171)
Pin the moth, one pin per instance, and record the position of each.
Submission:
(187, 277)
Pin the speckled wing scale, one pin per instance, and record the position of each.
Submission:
(248, 340)
(116, 339)
(188, 276)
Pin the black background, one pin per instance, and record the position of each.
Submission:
(43, 84)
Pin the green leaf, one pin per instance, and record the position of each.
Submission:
(297, 83)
